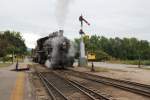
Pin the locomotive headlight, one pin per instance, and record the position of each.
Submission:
(64, 45)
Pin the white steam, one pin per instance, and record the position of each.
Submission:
(72, 50)
(55, 55)
(61, 11)
(48, 64)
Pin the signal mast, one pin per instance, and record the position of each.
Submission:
(82, 59)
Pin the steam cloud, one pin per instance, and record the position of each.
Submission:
(62, 8)
(55, 53)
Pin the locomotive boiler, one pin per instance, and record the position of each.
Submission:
(55, 49)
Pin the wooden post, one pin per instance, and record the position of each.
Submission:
(92, 69)
(139, 65)
(12, 57)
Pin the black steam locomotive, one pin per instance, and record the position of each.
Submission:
(56, 49)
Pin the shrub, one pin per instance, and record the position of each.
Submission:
(102, 56)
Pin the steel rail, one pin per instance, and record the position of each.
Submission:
(83, 91)
(93, 93)
(116, 83)
(55, 88)
(47, 87)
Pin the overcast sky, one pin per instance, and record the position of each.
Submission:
(111, 18)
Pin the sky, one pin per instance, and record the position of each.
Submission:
(110, 18)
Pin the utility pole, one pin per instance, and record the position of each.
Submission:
(82, 59)
(93, 69)
(139, 64)
(139, 58)
(12, 57)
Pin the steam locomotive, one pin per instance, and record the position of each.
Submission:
(56, 49)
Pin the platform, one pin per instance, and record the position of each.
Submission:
(14, 85)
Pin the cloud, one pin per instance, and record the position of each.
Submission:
(30, 39)
(125, 18)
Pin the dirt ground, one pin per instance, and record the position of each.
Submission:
(109, 91)
(131, 74)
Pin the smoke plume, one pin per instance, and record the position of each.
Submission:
(61, 11)
(57, 55)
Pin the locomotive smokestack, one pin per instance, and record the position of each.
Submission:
(60, 33)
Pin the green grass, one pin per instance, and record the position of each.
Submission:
(5, 64)
(146, 68)
(10, 60)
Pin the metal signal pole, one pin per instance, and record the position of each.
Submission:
(82, 59)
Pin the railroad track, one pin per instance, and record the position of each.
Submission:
(54, 93)
(61, 88)
(134, 87)
(91, 92)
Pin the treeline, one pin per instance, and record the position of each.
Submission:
(11, 43)
(123, 49)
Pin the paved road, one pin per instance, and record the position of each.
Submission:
(15, 85)
(112, 66)
(7, 82)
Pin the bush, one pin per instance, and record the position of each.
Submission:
(1, 58)
(102, 56)
(4, 59)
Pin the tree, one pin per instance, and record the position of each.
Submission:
(3, 45)
(11, 41)
(125, 49)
